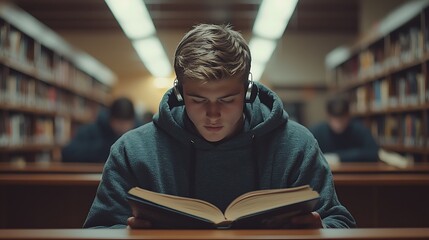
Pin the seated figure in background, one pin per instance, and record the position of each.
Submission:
(343, 139)
(92, 142)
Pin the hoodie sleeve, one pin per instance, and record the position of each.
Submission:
(314, 170)
(110, 208)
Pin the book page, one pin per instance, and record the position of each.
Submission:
(262, 200)
(191, 206)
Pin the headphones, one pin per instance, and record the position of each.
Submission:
(251, 92)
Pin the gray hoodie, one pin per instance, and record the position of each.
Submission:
(169, 156)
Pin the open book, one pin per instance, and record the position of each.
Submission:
(246, 211)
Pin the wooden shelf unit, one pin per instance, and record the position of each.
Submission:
(47, 88)
(386, 74)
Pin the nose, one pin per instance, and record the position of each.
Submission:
(213, 110)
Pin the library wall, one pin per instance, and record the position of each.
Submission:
(299, 61)
(88, 42)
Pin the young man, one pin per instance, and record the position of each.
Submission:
(93, 141)
(217, 135)
(343, 139)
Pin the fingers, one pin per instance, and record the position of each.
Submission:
(138, 223)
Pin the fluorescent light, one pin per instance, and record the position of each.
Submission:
(273, 17)
(401, 15)
(337, 56)
(261, 49)
(133, 17)
(137, 24)
(153, 56)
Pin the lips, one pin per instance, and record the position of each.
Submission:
(213, 128)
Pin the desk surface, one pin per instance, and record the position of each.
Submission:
(378, 167)
(80, 179)
(104, 234)
(60, 167)
(382, 179)
(76, 179)
(53, 167)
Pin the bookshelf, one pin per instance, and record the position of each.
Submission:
(386, 74)
(47, 88)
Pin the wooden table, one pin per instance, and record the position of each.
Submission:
(110, 234)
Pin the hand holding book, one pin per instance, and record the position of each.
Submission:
(137, 223)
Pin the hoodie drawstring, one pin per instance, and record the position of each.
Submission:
(192, 170)
(255, 162)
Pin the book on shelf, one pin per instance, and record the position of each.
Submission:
(246, 211)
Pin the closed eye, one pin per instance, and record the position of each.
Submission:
(198, 100)
(227, 100)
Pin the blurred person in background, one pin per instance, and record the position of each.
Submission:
(92, 142)
(343, 139)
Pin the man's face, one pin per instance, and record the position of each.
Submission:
(121, 126)
(338, 123)
(215, 107)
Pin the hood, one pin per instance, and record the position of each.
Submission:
(263, 116)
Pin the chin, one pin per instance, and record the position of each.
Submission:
(213, 138)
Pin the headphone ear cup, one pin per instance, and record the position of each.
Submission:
(177, 91)
(251, 92)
